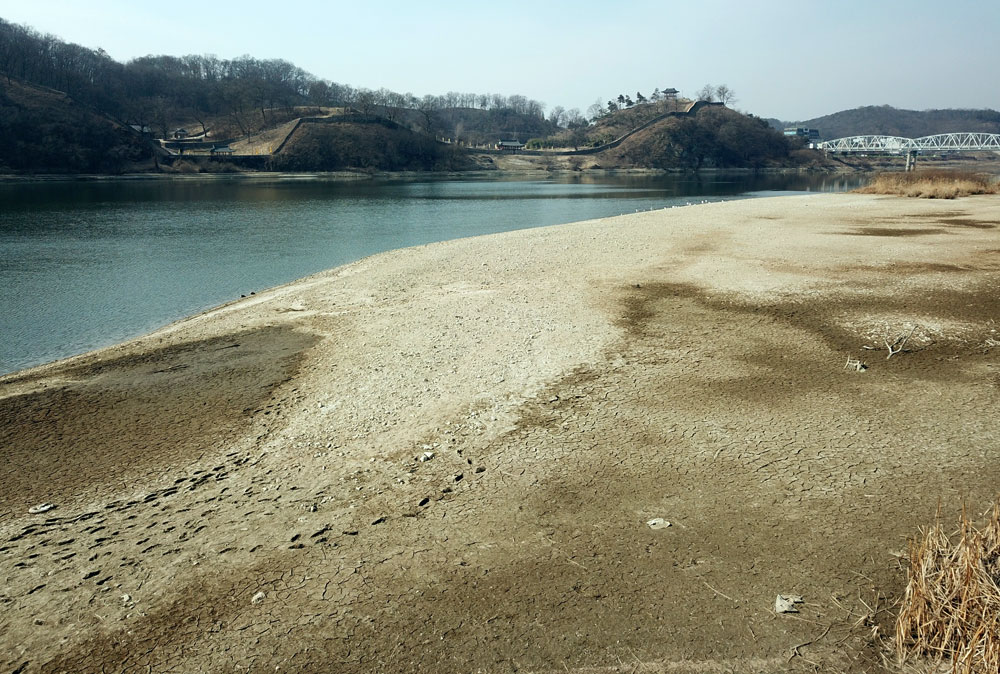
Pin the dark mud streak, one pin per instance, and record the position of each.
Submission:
(892, 231)
(971, 224)
(935, 361)
(135, 413)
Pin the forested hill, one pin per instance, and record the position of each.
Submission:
(67, 108)
(44, 130)
(885, 120)
(231, 98)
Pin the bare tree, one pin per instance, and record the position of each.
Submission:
(707, 93)
(573, 119)
(557, 115)
(725, 94)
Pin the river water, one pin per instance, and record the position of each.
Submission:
(87, 264)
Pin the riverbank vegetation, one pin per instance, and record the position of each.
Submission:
(933, 184)
(951, 608)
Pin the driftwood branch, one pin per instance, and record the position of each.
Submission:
(900, 342)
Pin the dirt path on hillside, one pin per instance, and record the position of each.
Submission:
(445, 458)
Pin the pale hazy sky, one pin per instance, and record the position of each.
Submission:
(790, 60)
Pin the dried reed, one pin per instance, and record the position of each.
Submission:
(931, 184)
(951, 609)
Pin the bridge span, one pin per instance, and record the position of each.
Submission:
(942, 142)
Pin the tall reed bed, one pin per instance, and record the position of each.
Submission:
(936, 184)
(951, 608)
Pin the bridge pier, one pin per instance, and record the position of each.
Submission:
(911, 160)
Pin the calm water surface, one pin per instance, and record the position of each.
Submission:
(87, 264)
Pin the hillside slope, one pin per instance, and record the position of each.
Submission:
(372, 144)
(714, 137)
(43, 130)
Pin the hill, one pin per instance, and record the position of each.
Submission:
(369, 144)
(43, 130)
(219, 99)
(710, 137)
(889, 121)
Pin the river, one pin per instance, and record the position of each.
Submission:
(85, 264)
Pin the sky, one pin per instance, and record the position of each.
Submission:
(790, 60)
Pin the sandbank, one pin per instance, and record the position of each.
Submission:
(444, 458)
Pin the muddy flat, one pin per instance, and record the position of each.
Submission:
(597, 447)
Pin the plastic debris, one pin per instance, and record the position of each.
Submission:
(786, 603)
(658, 523)
(40, 508)
(258, 598)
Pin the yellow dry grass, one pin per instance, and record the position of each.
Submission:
(931, 184)
(951, 609)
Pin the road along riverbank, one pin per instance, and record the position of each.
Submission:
(446, 458)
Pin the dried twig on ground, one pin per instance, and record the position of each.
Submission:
(951, 608)
(855, 364)
(899, 343)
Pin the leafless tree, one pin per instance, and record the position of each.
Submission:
(725, 94)
(707, 93)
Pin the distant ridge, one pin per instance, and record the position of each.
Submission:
(885, 120)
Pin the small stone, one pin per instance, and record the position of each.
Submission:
(786, 603)
(258, 598)
(126, 598)
(658, 523)
(426, 456)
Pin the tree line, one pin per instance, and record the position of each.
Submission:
(156, 92)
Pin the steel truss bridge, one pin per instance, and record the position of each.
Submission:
(942, 142)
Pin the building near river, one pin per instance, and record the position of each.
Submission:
(509, 145)
(810, 135)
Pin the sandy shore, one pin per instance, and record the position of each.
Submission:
(445, 458)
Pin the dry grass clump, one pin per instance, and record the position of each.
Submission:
(931, 184)
(951, 608)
